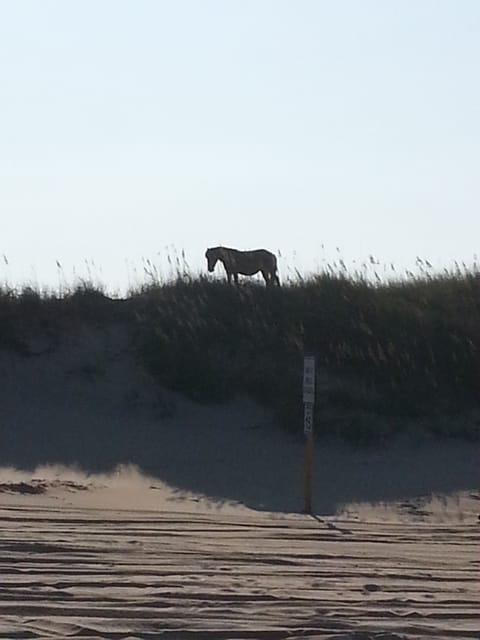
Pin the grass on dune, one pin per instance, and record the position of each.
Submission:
(387, 352)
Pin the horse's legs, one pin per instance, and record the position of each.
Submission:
(271, 278)
(235, 277)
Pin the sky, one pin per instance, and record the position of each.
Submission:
(134, 130)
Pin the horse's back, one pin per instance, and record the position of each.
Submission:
(262, 255)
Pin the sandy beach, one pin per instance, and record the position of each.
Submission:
(127, 556)
(126, 512)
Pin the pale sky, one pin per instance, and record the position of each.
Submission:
(128, 127)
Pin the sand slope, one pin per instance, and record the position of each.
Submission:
(198, 533)
(87, 403)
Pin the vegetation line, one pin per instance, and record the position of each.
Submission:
(388, 354)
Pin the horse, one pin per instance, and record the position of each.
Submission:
(245, 262)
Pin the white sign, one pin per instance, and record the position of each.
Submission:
(308, 418)
(309, 379)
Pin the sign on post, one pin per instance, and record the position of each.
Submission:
(308, 402)
(308, 418)
(308, 380)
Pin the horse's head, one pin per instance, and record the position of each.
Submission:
(212, 255)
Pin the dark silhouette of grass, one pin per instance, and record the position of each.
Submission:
(387, 352)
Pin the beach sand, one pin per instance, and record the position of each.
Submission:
(129, 512)
(126, 556)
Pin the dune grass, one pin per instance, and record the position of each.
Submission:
(388, 353)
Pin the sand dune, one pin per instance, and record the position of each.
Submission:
(127, 511)
(87, 403)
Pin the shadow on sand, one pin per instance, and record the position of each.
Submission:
(55, 411)
(225, 453)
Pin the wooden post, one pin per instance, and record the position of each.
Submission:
(308, 470)
(308, 401)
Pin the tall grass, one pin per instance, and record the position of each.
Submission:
(387, 352)
(400, 350)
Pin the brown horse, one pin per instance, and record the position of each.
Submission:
(245, 262)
